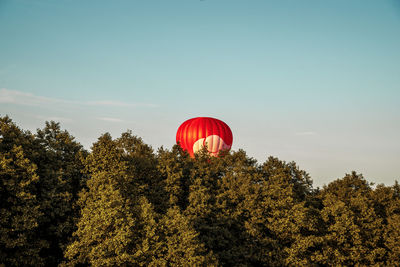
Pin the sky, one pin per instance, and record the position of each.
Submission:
(315, 82)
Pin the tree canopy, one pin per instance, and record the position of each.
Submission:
(123, 204)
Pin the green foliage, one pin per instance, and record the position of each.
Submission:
(59, 168)
(118, 225)
(174, 168)
(58, 179)
(105, 233)
(122, 204)
(179, 243)
(20, 211)
(351, 228)
(387, 207)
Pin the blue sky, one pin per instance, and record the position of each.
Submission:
(317, 82)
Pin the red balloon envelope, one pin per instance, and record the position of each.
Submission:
(198, 132)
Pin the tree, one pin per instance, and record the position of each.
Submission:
(118, 225)
(11, 135)
(238, 198)
(57, 159)
(201, 209)
(123, 204)
(141, 164)
(105, 232)
(387, 207)
(352, 230)
(180, 245)
(59, 167)
(20, 212)
(284, 218)
(174, 168)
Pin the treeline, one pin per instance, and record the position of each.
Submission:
(122, 204)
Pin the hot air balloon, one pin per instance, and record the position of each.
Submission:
(198, 132)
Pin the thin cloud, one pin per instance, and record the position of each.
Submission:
(28, 99)
(119, 104)
(309, 133)
(52, 118)
(110, 119)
